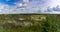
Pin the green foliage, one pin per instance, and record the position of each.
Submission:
(50, 24)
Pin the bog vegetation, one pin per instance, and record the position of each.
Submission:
(29, 23)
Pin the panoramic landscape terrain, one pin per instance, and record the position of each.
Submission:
(29, 15)
(29, 23)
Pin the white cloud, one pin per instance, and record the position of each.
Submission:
(30, 8)
(54, 3)
(18, 9)
(25, 0)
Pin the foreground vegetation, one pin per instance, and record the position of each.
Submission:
(29, 23)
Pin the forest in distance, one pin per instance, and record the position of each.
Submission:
(29, 23)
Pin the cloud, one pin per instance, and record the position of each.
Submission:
(32, 7)
(15, 9)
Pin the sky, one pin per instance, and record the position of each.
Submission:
(54, 3)
(41, 3)
(30, 4)
(9, 2)
(10, 6)
(12, 2)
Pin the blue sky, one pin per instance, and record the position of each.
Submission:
(11, 2)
